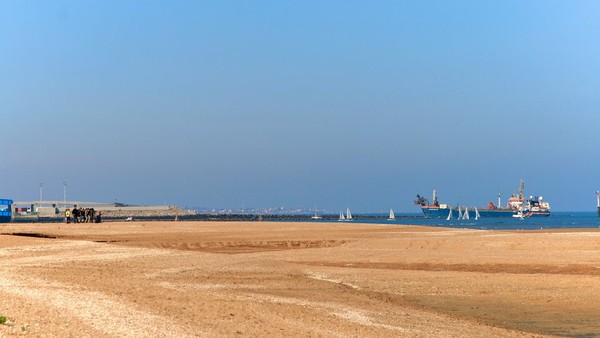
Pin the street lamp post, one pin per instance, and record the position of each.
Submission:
(41, 192)
(65, 193)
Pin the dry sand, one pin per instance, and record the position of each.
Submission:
(185, 279)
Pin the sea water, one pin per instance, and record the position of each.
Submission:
(557, 220)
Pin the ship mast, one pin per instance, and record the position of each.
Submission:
(521, 189)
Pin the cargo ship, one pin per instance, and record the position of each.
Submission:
(516, 204)
(5, 210)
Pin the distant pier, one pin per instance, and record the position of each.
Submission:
(23, 210)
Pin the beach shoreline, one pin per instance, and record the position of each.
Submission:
(296, 279)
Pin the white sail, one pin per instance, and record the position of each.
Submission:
(476, 213)
(466, 214)
(392, 216)
(460, 215)
(342, 218)
(348, 214)
(449, 215)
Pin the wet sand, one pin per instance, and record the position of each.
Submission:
(186, 279)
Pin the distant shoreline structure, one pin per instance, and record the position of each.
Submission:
(48, 210)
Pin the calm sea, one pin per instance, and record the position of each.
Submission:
(557, 220)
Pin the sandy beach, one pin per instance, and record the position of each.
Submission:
(188, 279)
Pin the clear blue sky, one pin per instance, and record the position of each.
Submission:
(359, 104)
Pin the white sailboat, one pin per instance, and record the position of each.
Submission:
(316, 216)
(466, 214)
(460, 215)
(519, 214)
(342, 217)
(449, 215)
(348, 214)
(392, 216)
(476, 214)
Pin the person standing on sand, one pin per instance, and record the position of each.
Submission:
(68, 215)
(75, 213)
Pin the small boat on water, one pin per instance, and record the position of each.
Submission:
(519, 214)
(347, 217)
(466, 213)
(392, 216)
(316, 216)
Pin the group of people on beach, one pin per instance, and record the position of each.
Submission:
(82, 215)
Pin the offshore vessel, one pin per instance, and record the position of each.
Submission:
(516, 204)
(535, 206)
(5, 210)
